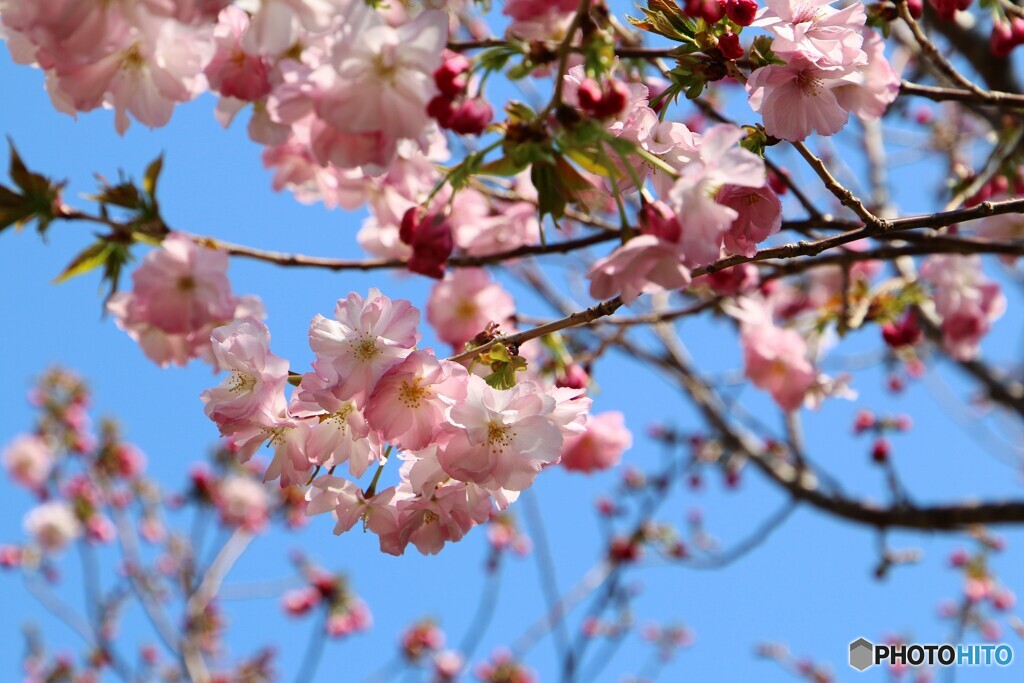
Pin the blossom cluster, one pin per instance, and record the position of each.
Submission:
(833, 66)
(343, 81)
(180, 293)
(716, 197)
(467, 449)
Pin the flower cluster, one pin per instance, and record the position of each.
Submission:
(179, 295)
(335, 77)
(717, 197)
(466, 447)
(965, 300)
(833, 66)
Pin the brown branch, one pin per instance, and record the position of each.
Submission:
(303, 261)
(994, 98)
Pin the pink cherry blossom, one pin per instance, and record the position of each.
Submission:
(348, 505)
(257, 380)
(798, 98)
(29, 460)
(242, 501)
(179, 294)
(759, 215)
(53, 525)
(383, 76)
(157, 65)
(966, 301)
(341, 433)
(233, 72)
(461, 305)
(775, 360)
(504, 438)
(643, 265)
(446, 515)
(600, 447)
(409, 402)
(874, 85)
(369, 336)
(827, 36)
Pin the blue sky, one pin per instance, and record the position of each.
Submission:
(810, 585)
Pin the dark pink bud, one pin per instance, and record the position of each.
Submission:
(450, 78)
(741, 11)
(613, 101)
(589, 96)
(659, 220)
(729, 44)
(777, 182)
(1001, 41)
(430, 237)
(864, 421)
(471, 117)
(881, 450)
(441, 108)
(574, 377)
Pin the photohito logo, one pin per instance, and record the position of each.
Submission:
(864, 654)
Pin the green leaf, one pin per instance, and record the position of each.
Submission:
(14, 209)
(40, 196)
(761, 53)
(124, 195)
(152, 176)
(90, 258)
(505, 166)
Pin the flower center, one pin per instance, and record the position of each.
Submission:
(499, 436)
(132, 58)
(385, 64)
(340, 418)
(429, 517)
(412, 394)
(465, 310)
(240, 382)
(365, 349)
(276, 435)
(809, 85)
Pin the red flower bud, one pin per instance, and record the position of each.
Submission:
(741, 11)
(441, 108)
(729, 44)
(471, 117)
(881, 450)
(449, 76)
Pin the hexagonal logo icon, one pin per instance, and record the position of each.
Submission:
(862, 654)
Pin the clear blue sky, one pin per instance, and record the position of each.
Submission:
(809, 586)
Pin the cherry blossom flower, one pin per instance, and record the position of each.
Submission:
(759, 215)
(643, 265)
(157, 65)
(243, 502)
(179, 294)
(409, 402)
(348, 505)
(600, 447)
(341, 433)
(827, 36)
(257, 380)
(775, 360)
(798, 98)
(233, 72)
(504, 438)
(369, 336)
(29, 460)
(383, 76)
(461, 305)
(53, 525)
(966, 301)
